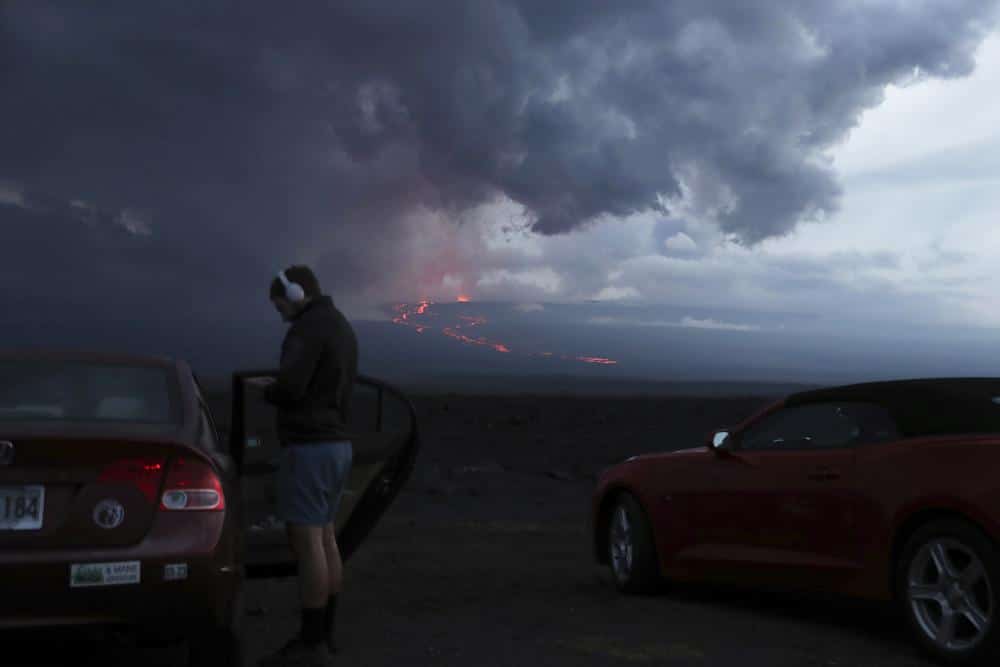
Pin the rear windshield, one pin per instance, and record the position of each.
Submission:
(34, 390)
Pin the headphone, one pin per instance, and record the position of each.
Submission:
(293, 291)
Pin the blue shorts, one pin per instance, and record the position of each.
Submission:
(310, 481)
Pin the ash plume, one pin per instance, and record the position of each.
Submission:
(252, 133)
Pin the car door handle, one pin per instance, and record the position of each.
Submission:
(824, 475)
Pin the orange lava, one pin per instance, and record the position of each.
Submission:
(407, 313)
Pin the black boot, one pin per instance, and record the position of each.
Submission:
(308, 648)
(331, 618)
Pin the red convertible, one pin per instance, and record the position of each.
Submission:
(882, 490)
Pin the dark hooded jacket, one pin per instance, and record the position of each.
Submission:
(319, 364)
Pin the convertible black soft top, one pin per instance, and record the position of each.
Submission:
(923, 407)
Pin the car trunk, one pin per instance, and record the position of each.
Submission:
(72, 492)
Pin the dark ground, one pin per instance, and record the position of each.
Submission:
(485, 560)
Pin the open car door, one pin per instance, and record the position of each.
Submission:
(383, 425)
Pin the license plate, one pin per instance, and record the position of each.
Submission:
(21, 507)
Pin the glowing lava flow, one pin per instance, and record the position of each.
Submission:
(470, 322)
(406, 315)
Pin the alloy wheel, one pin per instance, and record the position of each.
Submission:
(621, 543)
(950, 595)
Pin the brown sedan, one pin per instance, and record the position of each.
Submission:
(121, 505)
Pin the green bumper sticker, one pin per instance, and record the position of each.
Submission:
(104, 574)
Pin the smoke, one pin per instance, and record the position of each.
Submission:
(237, 137)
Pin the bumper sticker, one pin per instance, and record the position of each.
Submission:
(175, 572)
(104, 574)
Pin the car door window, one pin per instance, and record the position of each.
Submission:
(874, 422)
(381, 429)
(816, 426)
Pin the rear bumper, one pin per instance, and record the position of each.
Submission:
(37, 590)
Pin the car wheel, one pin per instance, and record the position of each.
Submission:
(947, 582)
(221, 645)
(630, 547)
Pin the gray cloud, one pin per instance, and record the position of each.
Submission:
(685, 322)
(239, 137)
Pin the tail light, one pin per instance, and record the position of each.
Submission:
(192, 485)
(143, 473)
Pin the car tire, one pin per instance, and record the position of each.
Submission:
(947, 584)
(221, 645)
(631, 552)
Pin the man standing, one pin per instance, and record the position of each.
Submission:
(312, 393)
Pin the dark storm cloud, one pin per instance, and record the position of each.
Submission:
(248, 132)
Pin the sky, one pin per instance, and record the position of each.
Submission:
(793, 171)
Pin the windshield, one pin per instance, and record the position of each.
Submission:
(85, 391)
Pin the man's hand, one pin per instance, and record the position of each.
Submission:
(261, 382)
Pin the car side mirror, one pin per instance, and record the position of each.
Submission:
(720, 442)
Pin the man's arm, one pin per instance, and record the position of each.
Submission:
(299, 358)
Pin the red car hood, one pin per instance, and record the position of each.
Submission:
(657, 456)
(676, 454)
